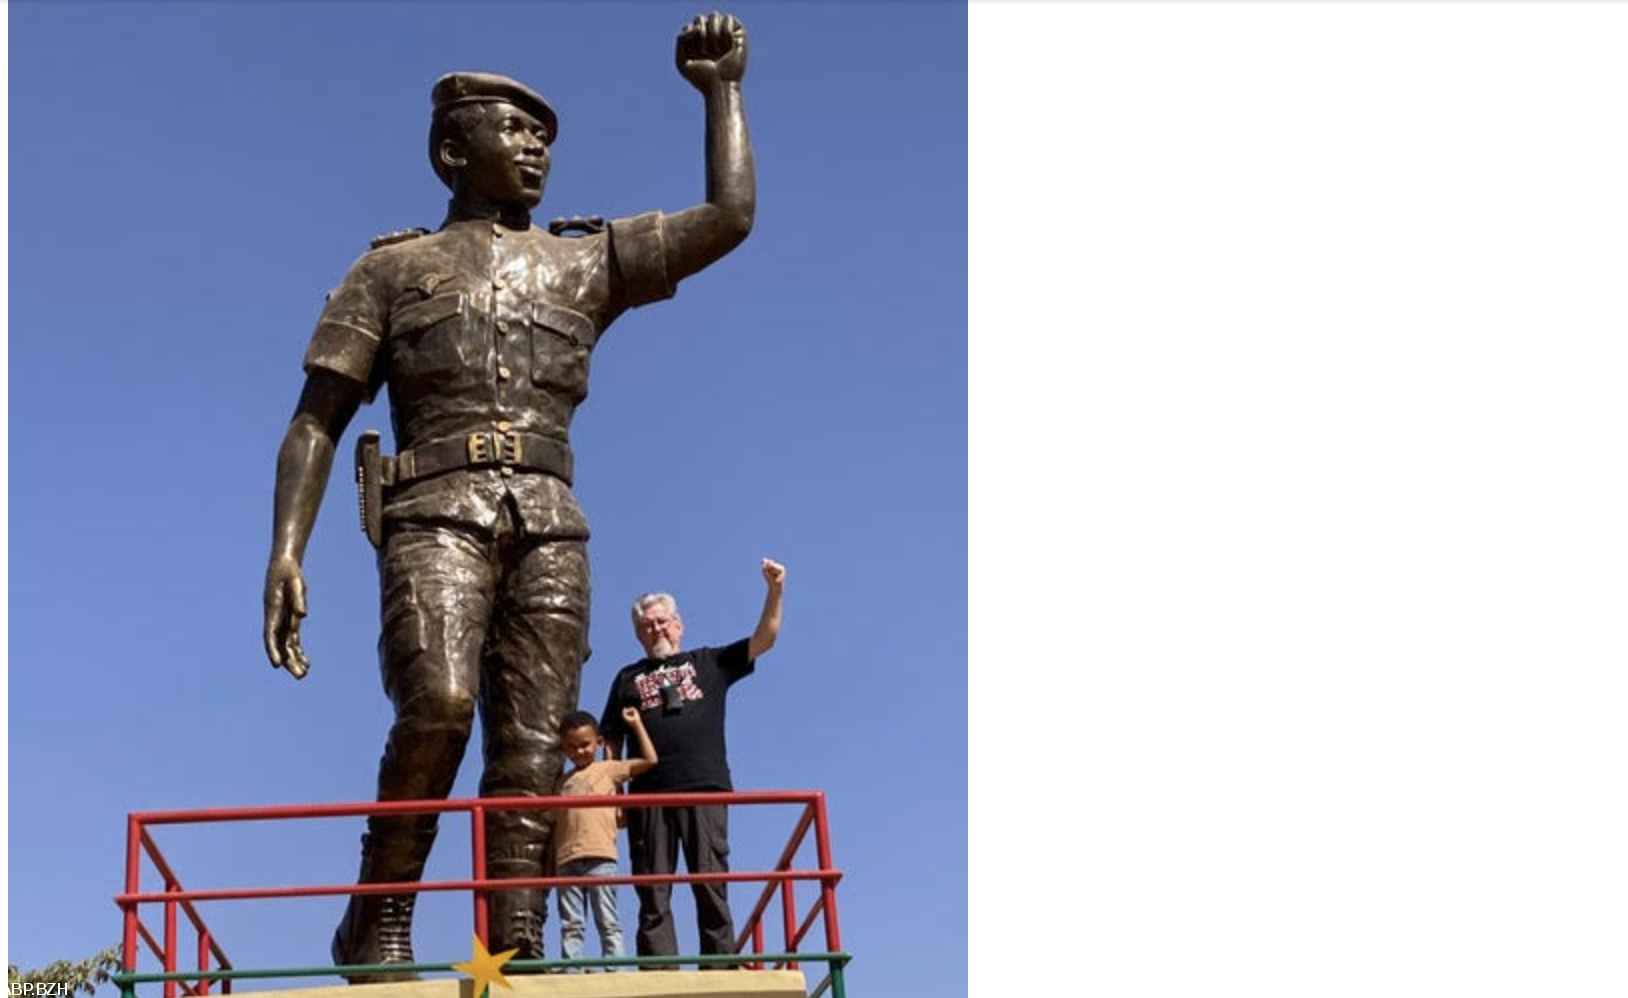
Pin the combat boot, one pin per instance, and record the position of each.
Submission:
(378, 928)
(515, 917)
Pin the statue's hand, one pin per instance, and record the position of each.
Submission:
(712, 49)
(285, 605)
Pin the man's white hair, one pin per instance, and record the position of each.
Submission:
(649, 600)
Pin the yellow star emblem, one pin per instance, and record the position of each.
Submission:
(486, 968)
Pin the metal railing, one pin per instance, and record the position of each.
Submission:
(213, 964)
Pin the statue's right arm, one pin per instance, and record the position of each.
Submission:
(304, 461)
(711, 55)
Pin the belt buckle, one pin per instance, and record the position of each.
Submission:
(507, 446)
(490, 448)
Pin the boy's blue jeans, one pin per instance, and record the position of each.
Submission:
(601, 899)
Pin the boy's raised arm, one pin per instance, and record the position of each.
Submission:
(647, 751)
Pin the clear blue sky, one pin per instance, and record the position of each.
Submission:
(188, 179)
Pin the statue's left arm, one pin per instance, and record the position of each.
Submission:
(711, 54)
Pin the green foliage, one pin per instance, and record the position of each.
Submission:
(68, 979)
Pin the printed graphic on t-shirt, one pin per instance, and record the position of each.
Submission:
(650, 685)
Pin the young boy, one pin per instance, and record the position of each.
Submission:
(585, 837)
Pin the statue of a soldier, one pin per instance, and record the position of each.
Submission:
(482, 331)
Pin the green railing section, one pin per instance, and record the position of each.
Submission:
(833, 980)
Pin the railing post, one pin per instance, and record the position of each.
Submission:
(757, 942)
(203, 961)
(477, 839)
(789, 907)
(171, 943)
(132, 885)
(828, 891)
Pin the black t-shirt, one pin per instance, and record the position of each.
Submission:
(686, 723)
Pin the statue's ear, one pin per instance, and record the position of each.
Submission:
(451, 154)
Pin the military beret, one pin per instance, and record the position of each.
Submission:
(454, 89)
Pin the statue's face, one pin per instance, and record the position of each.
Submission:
(506, 160)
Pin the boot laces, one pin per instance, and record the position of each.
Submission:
(396, 928)
(527, 933)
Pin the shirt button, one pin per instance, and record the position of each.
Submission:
(504, 426)
(502, 373)
(498, 284)
(497, 230)
(503, 325)
(508, 470)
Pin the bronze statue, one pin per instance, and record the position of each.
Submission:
(482, 331)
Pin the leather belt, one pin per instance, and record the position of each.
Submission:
(486, 449)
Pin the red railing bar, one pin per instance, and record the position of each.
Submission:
(802, 930)
(788, 907)
(808, 923)
(152, 943)
(516, 883)
(203, 961)
(768, 889)
(157, 856)
(364, 808)
(170, 939)
(477, 844)
(158, 950)
(132, 884)
(796, 840)
(757, 943)
(828, 893)
(183, 897)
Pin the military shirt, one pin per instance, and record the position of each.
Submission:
(481, 327)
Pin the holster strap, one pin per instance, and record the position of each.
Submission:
(487, 449)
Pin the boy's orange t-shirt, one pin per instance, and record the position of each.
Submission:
(589, 832)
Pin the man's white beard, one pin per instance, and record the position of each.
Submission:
(663, 648)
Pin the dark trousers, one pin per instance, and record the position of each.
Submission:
(654, 838)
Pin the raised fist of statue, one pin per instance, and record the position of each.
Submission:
(712, 49)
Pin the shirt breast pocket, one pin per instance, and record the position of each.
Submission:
(426, 336)
(560, 341)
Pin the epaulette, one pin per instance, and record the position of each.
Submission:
(576, 223)
(398, 236)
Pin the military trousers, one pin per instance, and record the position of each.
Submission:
(494, 621)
